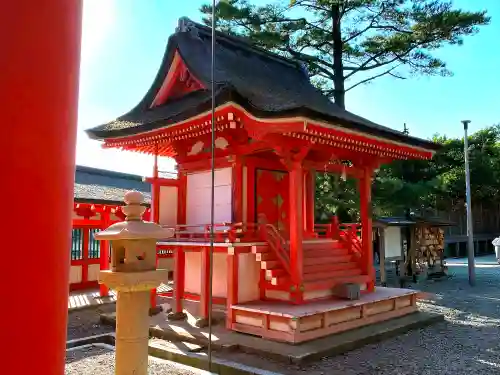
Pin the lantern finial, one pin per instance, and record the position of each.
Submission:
(133, 209)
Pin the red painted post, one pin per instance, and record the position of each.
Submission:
(104, 251)
(335, 227)
(237, 190)
(155, 191)
(85, 254)
(155, 213)
(181, 198)
(204, 285)
(179, 279)
(39, 67)
(365, 190)
(310, 196)
(232, 286)
(296, 222)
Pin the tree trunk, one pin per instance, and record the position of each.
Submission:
(338, 68)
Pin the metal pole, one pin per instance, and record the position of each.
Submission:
(212, 193)
(470, 229)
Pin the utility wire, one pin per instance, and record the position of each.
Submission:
(212, 203)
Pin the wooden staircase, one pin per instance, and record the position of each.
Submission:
(326, 263)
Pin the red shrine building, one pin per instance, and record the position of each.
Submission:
(280, 275)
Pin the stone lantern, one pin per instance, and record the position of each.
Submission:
(133, 274)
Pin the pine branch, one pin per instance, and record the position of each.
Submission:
(387, 72)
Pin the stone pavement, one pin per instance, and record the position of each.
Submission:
(88, 298)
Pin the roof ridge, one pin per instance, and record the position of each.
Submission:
(108, 173)
(185, 24)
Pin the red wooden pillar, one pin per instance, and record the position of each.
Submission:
(181, 198)
(179, 278)
(85, 254)
(232, 286)
(179, 255)
(296, 222)
(155, 192)
(310, 194)
(204, 287)
(365, 189)
(155, 211)
(237, 173)
(38, 98)
(104, 252)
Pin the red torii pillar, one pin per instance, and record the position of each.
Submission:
(39, 66)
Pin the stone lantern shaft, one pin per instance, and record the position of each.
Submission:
(133, 275)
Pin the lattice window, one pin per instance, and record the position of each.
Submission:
(94, 245)
(77, 244)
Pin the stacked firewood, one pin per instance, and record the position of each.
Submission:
(429, 247)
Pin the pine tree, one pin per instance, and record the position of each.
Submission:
(346, 43)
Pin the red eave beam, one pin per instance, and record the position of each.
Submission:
(162, 181)
(191, 128)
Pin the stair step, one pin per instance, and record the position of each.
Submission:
(281, 280)
(270, 265)
(331, 282)
(313, 253)
(260, 249)
(265, 256)
(329, 267)
(278, 272)
(327, 260)
(332, 274)
(322, 245)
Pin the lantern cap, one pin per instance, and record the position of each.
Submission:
(134, 228)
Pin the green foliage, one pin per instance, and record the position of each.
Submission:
(437, 184)
(345, 43)
(336, 197)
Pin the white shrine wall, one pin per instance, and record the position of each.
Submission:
(248, 275)
(168, 205)
(198, 197)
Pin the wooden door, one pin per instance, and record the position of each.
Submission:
(272, 198)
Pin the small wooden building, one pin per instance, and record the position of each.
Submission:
(278, 273)
(414, 244)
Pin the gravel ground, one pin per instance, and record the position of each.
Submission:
(466, 343)
(101, 361)
(84, 323)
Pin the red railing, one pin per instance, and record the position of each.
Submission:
(230, 233)
(347, 233)
(351, 240)
(222, 232)
(323, 230)
(164, 251)
(277, 243)
(354, 227)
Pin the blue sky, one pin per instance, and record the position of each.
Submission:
(124, 40)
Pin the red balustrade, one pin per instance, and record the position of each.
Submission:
(277, 243)
(222, 232)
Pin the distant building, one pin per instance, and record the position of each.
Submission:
(98, 193)
(100, 186)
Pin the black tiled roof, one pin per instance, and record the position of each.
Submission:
(94, 185)
(265, 84)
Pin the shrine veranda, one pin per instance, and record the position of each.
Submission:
(278, 273)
